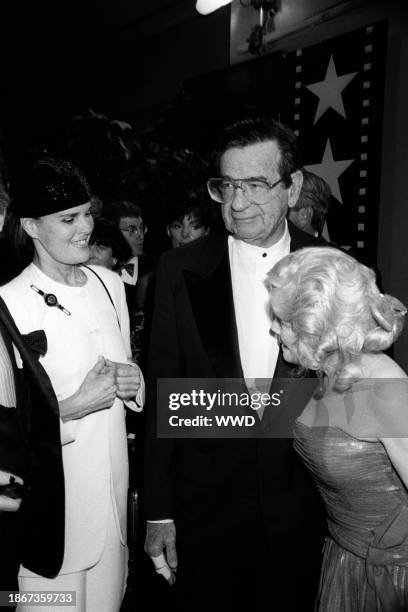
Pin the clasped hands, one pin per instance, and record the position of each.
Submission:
(126, 378)
(103, 383)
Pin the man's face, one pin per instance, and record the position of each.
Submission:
(134, 231)
(258, 224)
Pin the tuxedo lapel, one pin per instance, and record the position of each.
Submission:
(299, 239)
(30, 363)
(294, 393)
(20, 389)
(210, 292)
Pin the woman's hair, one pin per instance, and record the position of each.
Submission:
(255, 130)
(194, 203)
(335, 309)
(123, 208)
(21, 244)
(107, 233)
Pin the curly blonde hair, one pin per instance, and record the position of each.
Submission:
(335, 309)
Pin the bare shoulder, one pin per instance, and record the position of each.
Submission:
(379, 365)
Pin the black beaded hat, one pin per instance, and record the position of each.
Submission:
(48, 186)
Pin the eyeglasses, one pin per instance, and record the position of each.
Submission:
(255, 190)
(134, 229)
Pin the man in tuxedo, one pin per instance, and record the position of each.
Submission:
(31, 472)
(138, 274)
(238, 518)
(128, 217)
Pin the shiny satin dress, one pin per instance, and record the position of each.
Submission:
(365, 563)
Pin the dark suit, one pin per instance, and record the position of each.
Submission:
(249, 522)
(30, 447)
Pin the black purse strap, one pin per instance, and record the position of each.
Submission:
(107, 291)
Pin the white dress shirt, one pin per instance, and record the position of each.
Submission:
(126, 277)
(7, 386)
(249, 267)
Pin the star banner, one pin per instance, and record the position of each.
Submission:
(333, 97)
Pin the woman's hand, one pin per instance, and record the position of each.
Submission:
(127, 379)
(97, 392)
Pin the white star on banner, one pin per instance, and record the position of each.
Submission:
(329, 91)
(330, 170)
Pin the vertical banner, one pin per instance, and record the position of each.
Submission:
(333, 97)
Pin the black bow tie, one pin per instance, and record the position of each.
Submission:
(36, 341)
(130, 268)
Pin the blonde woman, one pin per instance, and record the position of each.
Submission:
(353, 434)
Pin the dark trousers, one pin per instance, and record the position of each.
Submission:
(241, 566)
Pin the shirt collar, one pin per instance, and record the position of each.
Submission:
(262, 254)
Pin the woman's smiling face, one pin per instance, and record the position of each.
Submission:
(62, 237)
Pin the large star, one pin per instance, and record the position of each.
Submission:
(330, 170)
(329, 91)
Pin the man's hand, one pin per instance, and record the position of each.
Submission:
(97, 392)
(160, 545)
(127, 379)
(10, 494)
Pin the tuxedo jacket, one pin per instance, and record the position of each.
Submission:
(31, 448)
(194, 335)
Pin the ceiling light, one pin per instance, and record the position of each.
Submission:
(205, 7)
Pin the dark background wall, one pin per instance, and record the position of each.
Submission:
(123, 58)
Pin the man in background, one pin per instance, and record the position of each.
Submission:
(309, 212)
(128, 217)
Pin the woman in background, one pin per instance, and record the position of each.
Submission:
(353, 434)
(84, 315)
(188, 219)
(107, 246)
